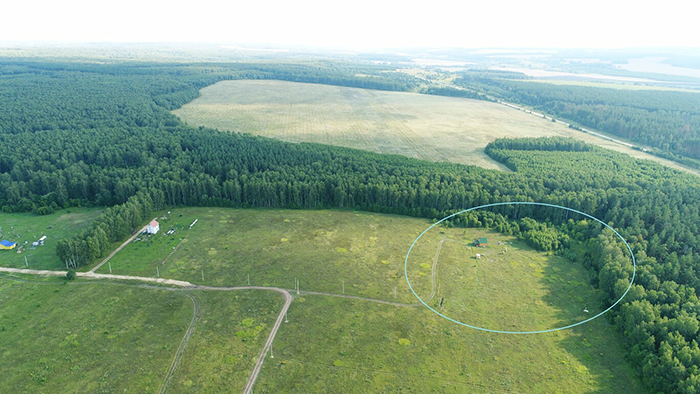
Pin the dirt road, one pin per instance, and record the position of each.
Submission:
(184, 285)
(136, 234)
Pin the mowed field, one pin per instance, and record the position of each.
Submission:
(427, 127)
(26, 228)
(332, 343)
(90, 337)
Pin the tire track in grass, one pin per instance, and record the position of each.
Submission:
(196, 314)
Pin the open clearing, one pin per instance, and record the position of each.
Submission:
(333, 343)
(113, 338)
(28, 227)
(519, 290)
(427, 127)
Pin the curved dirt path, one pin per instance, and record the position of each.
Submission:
(433, 275)
(184, 285)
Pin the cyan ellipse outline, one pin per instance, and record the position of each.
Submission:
(634, 266)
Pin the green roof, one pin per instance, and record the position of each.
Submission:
(482, 241)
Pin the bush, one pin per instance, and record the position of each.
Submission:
(70, 275)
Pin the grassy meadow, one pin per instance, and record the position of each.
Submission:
(333, 345)
(87, 338)
(273, 247)
(108, 338)
(28, 227)
(227, 339)
(427, 127)
(519, 290)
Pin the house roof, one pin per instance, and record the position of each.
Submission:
(482, 241)
(6, 243)
(153, 223)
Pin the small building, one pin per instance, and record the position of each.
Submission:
(481, 242)
(153, 227)
(5, 244)
(42, 239)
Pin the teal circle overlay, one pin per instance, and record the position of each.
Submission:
(634, 265)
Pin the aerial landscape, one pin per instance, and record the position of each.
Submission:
(290, 203)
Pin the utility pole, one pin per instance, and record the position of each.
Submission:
(394, 291)
(110, 267)
(285, 318)
(248, 279)
(157, 271)
(343, 287)
(202, 275)
(25, 262)
(272, 355)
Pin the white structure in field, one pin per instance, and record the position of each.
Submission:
(153, 227)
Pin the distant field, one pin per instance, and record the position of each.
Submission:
(611, 85)
(426, 127)
(28, 227)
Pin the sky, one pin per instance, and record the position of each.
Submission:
(357, 24)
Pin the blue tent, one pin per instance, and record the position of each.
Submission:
(5, 244)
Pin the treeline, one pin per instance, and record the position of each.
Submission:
(544, 144)
(452, 92)
(113, 225)
(97, 136)
(667, 120)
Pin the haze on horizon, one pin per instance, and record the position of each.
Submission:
(361, 24)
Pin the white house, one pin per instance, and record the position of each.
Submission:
(153, 227)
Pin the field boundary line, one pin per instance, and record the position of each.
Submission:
(352, 297)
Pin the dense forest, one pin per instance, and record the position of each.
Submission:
(666, 120)
(101, 134)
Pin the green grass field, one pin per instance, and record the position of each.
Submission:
(320, 248)
(27, 227)
(331, 344)
(87, 338)
(520, 290)
(335, 345)
(107, 338)
(227, 339)
(427, 127)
